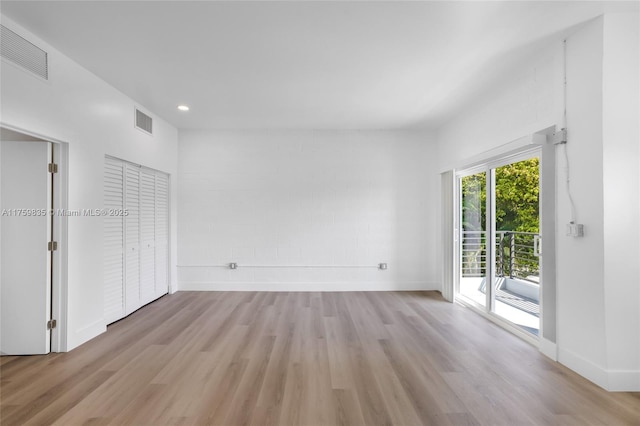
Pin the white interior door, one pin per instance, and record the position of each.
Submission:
(147, 237)
(25, 261)
(162, 235)
(132, 238)
(114, 307)
(136, 267)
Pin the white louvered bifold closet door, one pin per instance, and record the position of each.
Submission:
(113, 241)
(162, 235)
(147, 236)
(136, 243)
(132, 237)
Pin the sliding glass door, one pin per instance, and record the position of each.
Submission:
(499, 240)
(473, 237)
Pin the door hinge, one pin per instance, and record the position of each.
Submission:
(53, 168)
(51, 324)
(52, 246)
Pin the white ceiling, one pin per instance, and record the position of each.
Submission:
(318, 65)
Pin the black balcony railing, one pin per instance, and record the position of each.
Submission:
(517, 254)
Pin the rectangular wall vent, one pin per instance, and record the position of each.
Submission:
(22, 52)
(144, 122)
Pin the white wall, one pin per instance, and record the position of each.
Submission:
(580, 271)
(621, 134)
(281, 198)
(525, 100)
(598, 331)
(78, 108)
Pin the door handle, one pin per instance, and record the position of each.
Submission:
(536, 246)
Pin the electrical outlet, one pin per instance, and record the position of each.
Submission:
(575, 230)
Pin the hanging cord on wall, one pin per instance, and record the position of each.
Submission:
(564, 128)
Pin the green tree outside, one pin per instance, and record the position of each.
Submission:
(517, 209)
(518, 196)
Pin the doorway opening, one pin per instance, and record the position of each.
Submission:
(33, 182)
(498, 214)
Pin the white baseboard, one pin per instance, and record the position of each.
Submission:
(611, 380)
(624, 380)
(548, 348)
(85, 334)
(583, 367)
(306, 286)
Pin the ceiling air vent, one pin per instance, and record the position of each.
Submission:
(144, 122)
(23, 53)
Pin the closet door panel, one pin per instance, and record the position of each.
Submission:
(132, 236)
(147, 236)
(136, 250)
(162, 235)
(114, 308)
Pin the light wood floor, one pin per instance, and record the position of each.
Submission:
(304, 358)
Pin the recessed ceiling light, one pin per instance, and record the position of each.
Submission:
(183, 108)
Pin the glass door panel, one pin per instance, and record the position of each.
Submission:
(499, 240)
(516, 221)
(473, 237)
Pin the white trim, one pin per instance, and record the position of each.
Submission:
(60, 257)
(306, 286)
(505, 152)
(30, 133)
(583, 367)
(548, 348)
(624, 380)
(611, 380)
(139, 166)
(515, 156)
(87, 333)
(547, 209)
(470, 171)
(499, 321)
(448, 234)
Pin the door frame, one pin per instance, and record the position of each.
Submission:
(59, 261)
(541, 140)
(488, 167)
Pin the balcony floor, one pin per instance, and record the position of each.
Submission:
(520, 311)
